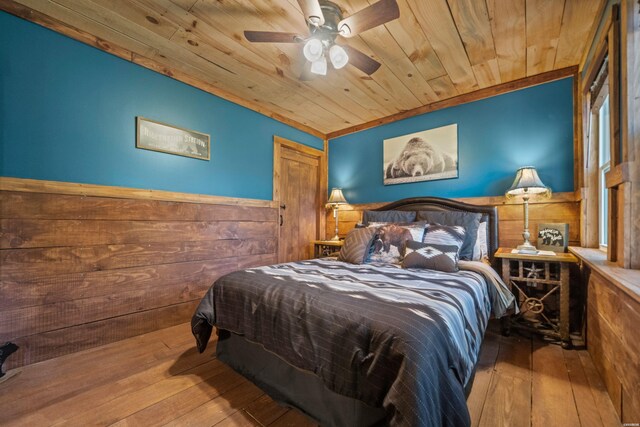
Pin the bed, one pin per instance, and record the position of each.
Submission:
(360, 344)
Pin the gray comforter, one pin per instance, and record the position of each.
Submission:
(405, 340)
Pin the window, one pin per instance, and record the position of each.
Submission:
(607, 212)
(604, 164)
(599, 158)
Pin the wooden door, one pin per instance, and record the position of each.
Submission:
(298, 191)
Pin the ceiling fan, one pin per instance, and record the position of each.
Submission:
(325, 22)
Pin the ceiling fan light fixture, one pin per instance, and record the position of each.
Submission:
(313, 49)
(319, 66)
(325, 22)
(338, 56)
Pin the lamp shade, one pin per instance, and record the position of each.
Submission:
(527, 182)
(336, 197)
(319, 66)
(313, 49)
(338, 56)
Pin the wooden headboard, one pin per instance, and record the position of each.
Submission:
(489, 213)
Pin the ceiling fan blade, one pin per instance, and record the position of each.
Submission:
(272, 37)
(312, 11)
(369, 17)
(361, 61)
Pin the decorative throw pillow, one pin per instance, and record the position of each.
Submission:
(416, 228)
(390, 240)
(431, 256)
(355, 249)
(444, 235)
(388, 216)
(469, 220)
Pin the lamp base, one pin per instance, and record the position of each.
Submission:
(335, 238)
(527, 248)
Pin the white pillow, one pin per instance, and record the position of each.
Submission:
(481, 250)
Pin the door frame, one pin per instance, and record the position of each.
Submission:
(321, 197)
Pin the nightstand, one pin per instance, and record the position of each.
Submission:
(322, 248)
(541, 286)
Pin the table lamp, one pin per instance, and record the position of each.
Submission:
(526, 183)
(335, 200)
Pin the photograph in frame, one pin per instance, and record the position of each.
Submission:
(421, 156)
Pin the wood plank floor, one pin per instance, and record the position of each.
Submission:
(160, 379)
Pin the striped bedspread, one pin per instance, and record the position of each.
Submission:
(406, 340)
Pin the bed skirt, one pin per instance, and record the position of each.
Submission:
(296, 388)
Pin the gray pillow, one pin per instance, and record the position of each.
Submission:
(469, 220)
(355, 249)
(431, 256)
(388, 216)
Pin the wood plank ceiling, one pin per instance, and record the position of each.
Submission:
(436, 50)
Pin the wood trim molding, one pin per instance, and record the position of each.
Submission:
(324, 187)
(310, 151)
(563, 197)
(613, 40)
(463, 99)
(94, 190)
(599, 48)
(277, 173)
(577, 135)
(43, 20)
(618, 175)
(625, 279)
(482, 201)
(592, 34)
(320, 155)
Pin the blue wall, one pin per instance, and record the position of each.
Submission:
(67, 113)
(532, 126)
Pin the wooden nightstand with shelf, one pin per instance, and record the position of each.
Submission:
(541, 285)
(323, 248)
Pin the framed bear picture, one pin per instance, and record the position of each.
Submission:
(553, 237)
(422, 156)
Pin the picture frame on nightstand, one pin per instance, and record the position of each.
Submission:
(324, 248)
(553, 237)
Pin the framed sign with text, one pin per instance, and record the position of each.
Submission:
(553, 237)
(157, 136)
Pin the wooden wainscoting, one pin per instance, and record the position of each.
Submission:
(561, 207)
(80, 270)
(613, 337)
(614, 343)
